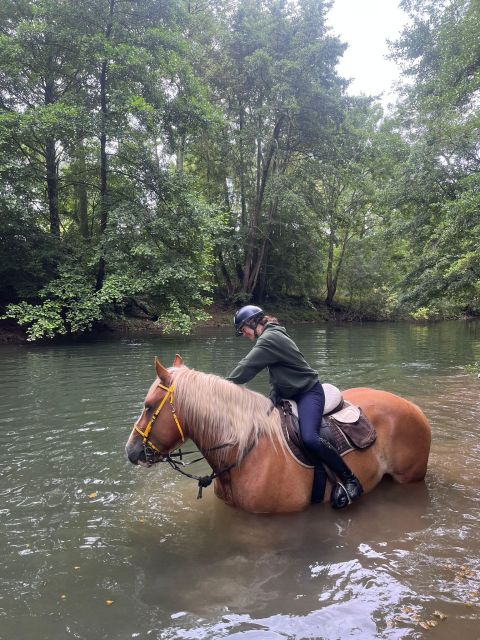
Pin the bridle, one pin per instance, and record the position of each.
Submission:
(147, 443)
(153, 453)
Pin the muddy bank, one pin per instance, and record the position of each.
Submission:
(11, 333)
(219, 316)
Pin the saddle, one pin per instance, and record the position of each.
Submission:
(344, 426)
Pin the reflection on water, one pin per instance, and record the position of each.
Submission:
(94, 548)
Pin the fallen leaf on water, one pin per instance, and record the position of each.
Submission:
(428, 624)
(93, 494)
(440, 615)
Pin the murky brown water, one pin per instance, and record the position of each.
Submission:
(81, 527)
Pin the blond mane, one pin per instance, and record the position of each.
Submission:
(219, 411)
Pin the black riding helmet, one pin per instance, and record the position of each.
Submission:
(246, 314)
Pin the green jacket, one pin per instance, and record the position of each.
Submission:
(275, 350)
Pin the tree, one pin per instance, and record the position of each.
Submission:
(40, 49)
(338, 184)
(437, 194)
(273, 74)
(113, 129)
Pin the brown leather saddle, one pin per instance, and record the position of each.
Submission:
(345, 427)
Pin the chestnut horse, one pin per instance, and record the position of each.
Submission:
(241, 438)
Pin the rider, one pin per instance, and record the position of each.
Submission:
(291, 377)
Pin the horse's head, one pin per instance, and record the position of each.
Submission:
(157, 431)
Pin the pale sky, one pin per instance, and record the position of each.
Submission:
(365, 25)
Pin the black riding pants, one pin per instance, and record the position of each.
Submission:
(310, 411)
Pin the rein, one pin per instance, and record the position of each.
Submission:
(203, 481)
(150, 449)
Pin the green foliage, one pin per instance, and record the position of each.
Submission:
(73, 75)
(273, 73)
(156, 154)
(437, 191)
(28, 255)
(422, 313)
(70, 304)
(178, 321)
(473, 369)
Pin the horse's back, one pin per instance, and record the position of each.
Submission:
(403, 432)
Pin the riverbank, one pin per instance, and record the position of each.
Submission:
(11, 333)
(219, 316)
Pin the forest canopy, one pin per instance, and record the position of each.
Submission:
(157, 155)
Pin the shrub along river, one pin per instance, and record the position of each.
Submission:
(94, 548)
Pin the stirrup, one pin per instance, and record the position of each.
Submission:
(340, 498)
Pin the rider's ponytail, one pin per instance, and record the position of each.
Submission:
(270, 319)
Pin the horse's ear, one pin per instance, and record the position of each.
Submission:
(177, 361)
(162, 373)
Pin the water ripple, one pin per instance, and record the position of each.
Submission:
(80, 526)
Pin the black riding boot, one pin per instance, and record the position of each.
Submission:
(345, 491)
(348, 487)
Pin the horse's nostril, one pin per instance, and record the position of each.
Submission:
(135, 453)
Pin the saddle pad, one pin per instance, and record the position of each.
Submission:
(333, 400)
(348, 414)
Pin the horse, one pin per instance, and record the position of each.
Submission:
(240, 436)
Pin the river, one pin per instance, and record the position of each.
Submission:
(93, 548)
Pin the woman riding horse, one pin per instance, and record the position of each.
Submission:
(291, 377)
(240, 435)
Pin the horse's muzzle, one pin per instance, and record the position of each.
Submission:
(140, 454)
(136, 452)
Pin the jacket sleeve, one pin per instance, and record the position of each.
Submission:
(256, 359)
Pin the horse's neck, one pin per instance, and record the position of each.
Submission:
(196, 425)
(215, 450)
(218, 413)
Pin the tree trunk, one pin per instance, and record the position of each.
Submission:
(334, 273)
(180, 154)
(263, 252)
(225, 274)
(331, 283)
(104, 195)
(243, 199)
(52, 187)
(52, 168)
(252, 256)
(81, 191)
